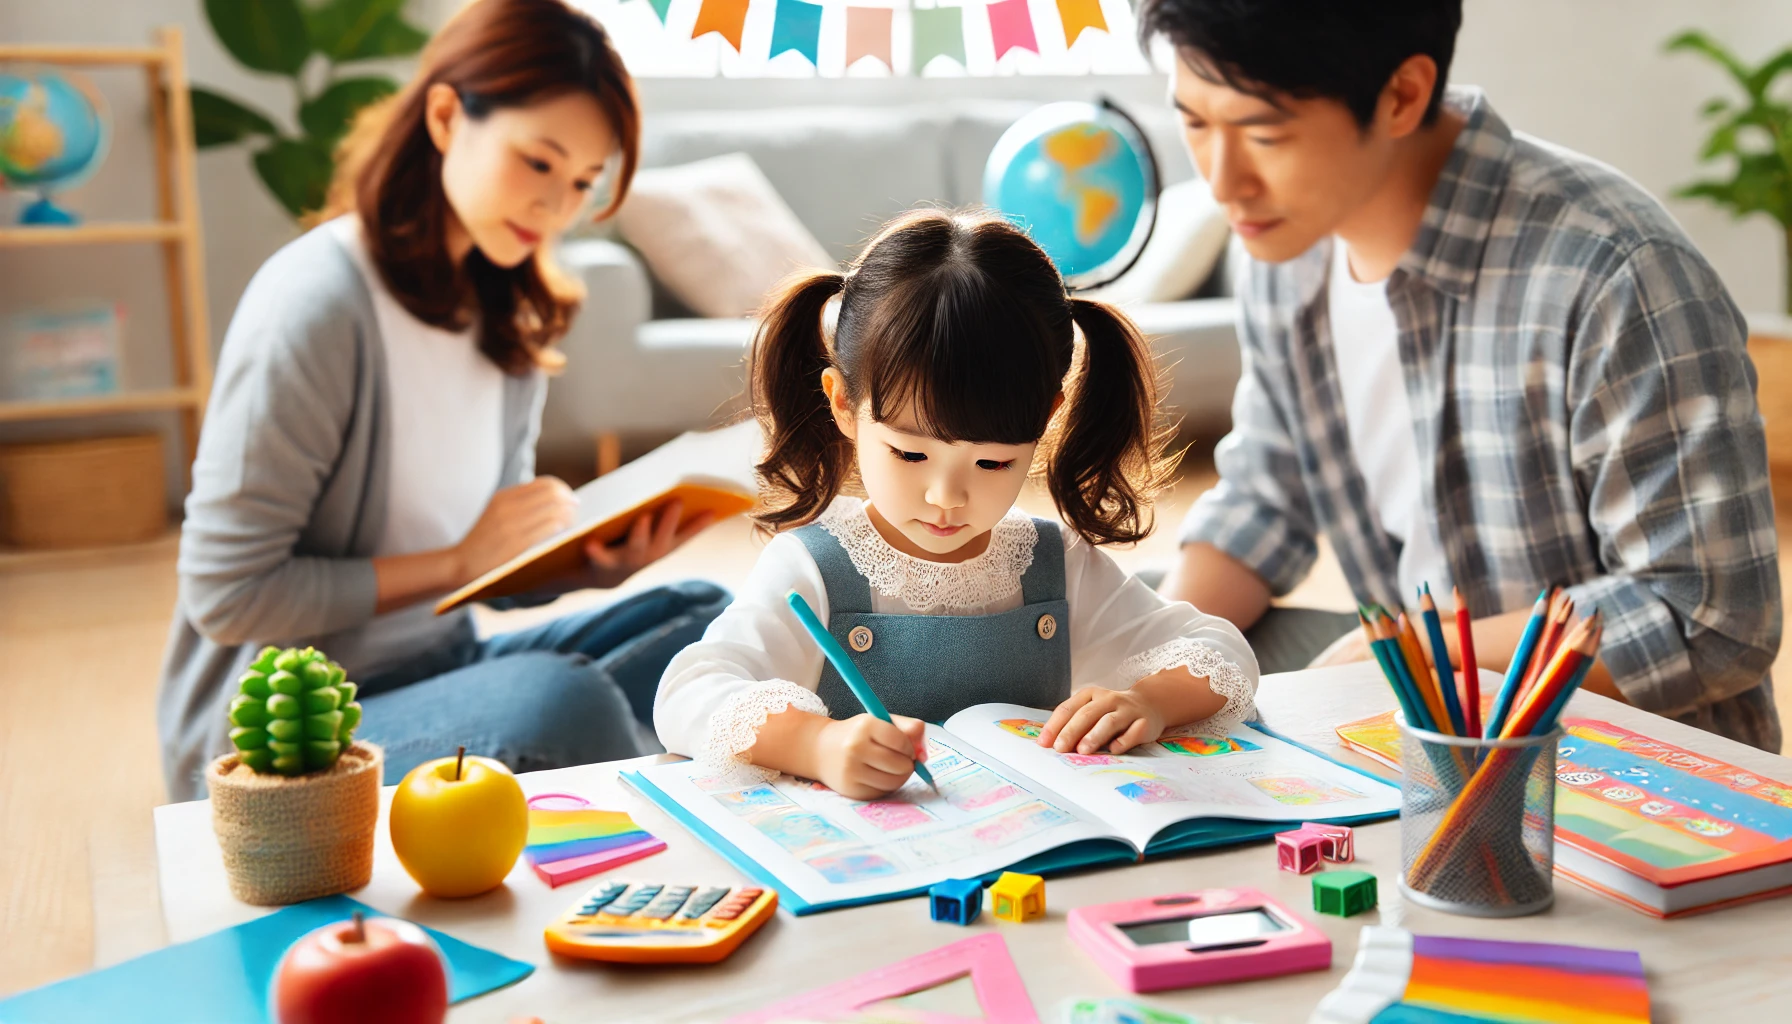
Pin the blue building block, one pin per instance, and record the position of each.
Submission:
(957, 900)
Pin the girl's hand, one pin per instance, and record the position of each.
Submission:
(865, 757)
(1096, 717)
(516, 519)
(649, 539)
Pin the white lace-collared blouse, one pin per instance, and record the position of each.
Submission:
(756, 660)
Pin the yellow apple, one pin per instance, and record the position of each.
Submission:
(458, 827)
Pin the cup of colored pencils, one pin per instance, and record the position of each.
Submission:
(1477, 819)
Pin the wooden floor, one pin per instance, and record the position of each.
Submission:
(81, 637)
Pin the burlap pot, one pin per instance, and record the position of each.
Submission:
(291, 839)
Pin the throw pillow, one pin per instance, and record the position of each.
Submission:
(1188, 241)
(716, 233)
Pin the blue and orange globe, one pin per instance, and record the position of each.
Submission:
(1081, 179)
(53, 134)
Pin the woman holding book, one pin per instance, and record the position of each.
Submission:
(370, 439)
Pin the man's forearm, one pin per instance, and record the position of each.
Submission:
(1496, 640)
(1218, 584)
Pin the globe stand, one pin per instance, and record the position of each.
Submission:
(45, 213)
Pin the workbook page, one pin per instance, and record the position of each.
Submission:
(826, 847)
(1248, 774)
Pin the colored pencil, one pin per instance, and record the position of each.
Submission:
(1471, 672)
(849, 672)
(1521, 658)
(1409, 675)
(1552, 716)
(1577, 650)
(1393, 665)
(1401, 697)
(1561, 609)
(1421, 674)
(1440, 661)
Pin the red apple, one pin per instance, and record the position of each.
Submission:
(383, 971)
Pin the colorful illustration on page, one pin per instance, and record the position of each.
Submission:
(1019, 823)
(1023, 727)
(1150, 791)
(1205, 746)
(752, 800)
(802, 832)
(1090, 760)
(976, 789)
(1303, 790)
(893, 815)
(851, 866)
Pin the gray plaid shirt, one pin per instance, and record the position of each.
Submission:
(1584, 412)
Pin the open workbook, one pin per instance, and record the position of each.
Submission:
(710, 471)
(1006, 803)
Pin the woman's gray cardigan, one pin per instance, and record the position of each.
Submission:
(289, 490)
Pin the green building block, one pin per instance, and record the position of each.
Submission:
(1344, 893)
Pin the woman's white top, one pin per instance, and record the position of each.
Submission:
(446, 403)
(756, 660)
(1372, 382)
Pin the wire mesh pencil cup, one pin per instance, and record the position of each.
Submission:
(1477, 822)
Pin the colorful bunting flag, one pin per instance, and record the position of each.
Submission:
(939, 32)
(725, 18)
(660, 7)
(868, 34)
(797, 26)
(1078, 15)
(1010, 27)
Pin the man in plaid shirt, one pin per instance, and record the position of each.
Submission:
(1469, 357)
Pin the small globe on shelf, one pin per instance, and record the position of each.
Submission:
(54, 131)
(1081, 179)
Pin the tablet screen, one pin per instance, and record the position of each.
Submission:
(1205, 930)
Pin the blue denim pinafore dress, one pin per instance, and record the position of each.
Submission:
(932, 666)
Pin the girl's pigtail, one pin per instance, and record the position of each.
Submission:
(807, 457)
(1109, 459)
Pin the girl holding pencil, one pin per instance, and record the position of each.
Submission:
(952, 374)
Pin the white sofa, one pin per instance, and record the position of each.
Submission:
(643, 369)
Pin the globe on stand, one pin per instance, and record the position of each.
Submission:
(53, 134)
(1082, 180)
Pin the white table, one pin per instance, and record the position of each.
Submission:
(1733, 965)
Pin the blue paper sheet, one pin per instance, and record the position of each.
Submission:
(224, 977)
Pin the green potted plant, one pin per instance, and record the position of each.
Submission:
(307, 43)
(1754, 134)
(295, 805)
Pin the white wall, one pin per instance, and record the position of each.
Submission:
(1588, 74)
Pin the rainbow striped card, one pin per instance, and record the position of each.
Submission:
(569, 839)
(1402, 978)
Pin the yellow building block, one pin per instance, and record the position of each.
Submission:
(1017, 897)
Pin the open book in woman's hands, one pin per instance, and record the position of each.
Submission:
(709, 472)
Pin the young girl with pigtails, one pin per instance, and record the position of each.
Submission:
(952, 367)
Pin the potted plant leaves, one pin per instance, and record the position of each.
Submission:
(296, 803)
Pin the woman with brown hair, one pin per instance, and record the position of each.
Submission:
(370, 440)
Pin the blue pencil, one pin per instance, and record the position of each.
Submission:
(849, 672)
(1553, 713)
(1527, 645)
(1440, 659)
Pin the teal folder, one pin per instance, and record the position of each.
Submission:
(225, 977)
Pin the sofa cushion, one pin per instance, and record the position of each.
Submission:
(843, 170)
(716, 233)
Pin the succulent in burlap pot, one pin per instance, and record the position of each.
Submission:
(296, 804)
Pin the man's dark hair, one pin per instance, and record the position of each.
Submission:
(1334, 49)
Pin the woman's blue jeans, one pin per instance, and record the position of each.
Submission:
(574, 691)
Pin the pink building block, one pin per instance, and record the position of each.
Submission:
(1340, 841)
(1298, 851)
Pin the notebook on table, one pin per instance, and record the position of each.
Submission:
(710, 471)
(1006, 803)
(1661, 828)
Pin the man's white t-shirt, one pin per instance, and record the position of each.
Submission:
(1366, 349)
(446, 403)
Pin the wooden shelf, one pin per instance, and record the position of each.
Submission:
(99, 405)
(92, 234)
(90, 55)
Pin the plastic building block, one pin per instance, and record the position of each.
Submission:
(956, 900)
(1344, 893)
(1017, 897)
(1340, 841)
(1298, 851)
